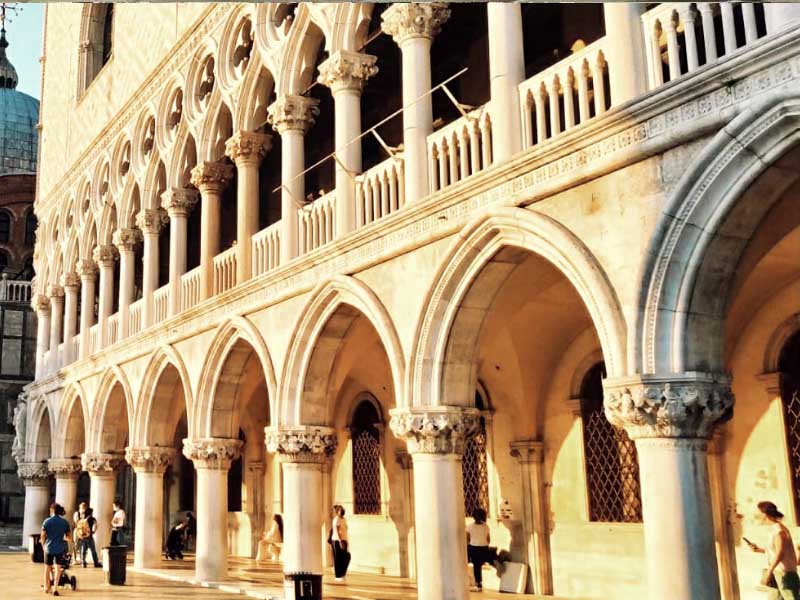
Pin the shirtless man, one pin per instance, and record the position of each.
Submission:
(780, 554)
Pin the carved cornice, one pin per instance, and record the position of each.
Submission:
(301, 444)
(151, 220)
(527, 451)
(105, 255)
(179, 202)
(99, 463)
(211, 177)
(435, 429)
(54, 291)
(65, 467)
(346, 70)
(86, 268)
(672, 406)
(405, 21)
(150, 459)
(212, 453)
(33, 474)
(248, 147)
(126, 239)
(70, 280)
(40, 303)
(293, 112)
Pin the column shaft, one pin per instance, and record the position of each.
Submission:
(56, 327)
(348, 151)
(126, 283)
(417, 115)
(302, 493)
(177, 260)
(625, 54)
(37, 502)
(42, 334)
(506, 72)
(150, 222)
(101, 498)
(209, 241)
(212, 524)
(293, 192)
(149, 519)
(247, 216)
(67, 493)
(87, 269)
(70, 322)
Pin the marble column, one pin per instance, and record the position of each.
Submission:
(149, 463)
(506, 72)
(102, 468)
(291, 117)
(345, 73)
(435, 436)
(105, 256)
(671, 418)
(212, 458)
(41, 305)
(150, 221)
(66, 471)
(70, 282)
(178, 202)
(405, 462)
(56, 295)
(625, 50)
(36, 479)
(247, 149)
(413, 26)
(125, 240)
(87, 269)
(781, 15)
(303, 452)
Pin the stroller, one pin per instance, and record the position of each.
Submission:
(65, 560)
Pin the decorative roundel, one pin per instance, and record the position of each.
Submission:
(235, 52)
(201, 82)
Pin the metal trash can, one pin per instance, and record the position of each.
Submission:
(302, 586)
(115, 563)
(35, 548)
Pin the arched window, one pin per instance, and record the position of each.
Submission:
(96, 41)
(789, 367)
(5, 227)
(3, 260)
(474, 465)
(366, 459)
(30, 228)
(612, 464)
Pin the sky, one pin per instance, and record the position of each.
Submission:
(24, 34)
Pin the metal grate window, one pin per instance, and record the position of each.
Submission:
(789, 366)
(366, 460)
(612, 464)
(474, 472)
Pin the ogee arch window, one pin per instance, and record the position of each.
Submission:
(5, 227)
(474, 465)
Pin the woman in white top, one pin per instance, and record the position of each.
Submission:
(340, 543)
(478, 550)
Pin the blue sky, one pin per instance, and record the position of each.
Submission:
(24, 34)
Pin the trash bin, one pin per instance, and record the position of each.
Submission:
(35, 548)
(115, 562)
(302, 586)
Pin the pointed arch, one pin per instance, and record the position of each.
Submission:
(70, 442)
(114, 390)
(215, 130)
(299, 57)
(258, 88)
(108, 223)
(41, 426)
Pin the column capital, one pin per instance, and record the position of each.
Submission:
(99, 463)
(150, 459)
(211, 177)
(347, 70)
(68, 468)
(126, 239)
(70, 280)
(34, 474)
(681, 405)
(179, 202)
(54, 291)
(40, 303)
(151, 220)
(435, 429)
(105, 255)
(527, 451)
(405, 21)
(310, 444)
(293, 113)
(86, 268)
(212, 453)
(248, 147)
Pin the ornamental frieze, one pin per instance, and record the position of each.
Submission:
(149, 459)
(102, 462)
(65, 467)
(435, 429)
(301, 444)
(212, 453)
(33, 473)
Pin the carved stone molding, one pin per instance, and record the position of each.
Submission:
(527, 451)
(302, 443)
(105, 255)
(151, 220)
(40, 303)
(69, 468)
(55, 291)
(405, 21)
(150, 459)
(211, 177)
(248, 147)
(99, 463)
(212, 453)
(179, 202)
(70, 280)
(126, 239)
(293, 112)
(435, 429)
(685, 405)
(34, 474)
(347, 70)
(86, 268)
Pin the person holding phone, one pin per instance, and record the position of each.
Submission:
(781, 572)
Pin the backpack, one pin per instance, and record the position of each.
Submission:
(82, 529)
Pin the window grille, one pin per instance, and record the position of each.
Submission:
(5, 227)
(789, 366)
(474, 472)
(611, 461)
(366, 460)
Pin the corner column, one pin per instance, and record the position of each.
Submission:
(87, 269)
(178, 202)
(506, 72)
(413, 27)
(102, 468)
(435, 437)
(36, 479)
(671, 419)
(66, 471)
(125, 240)
(212, 457)
(56, 295)
(105, 256)
(71, 283)
(303, 452)
(150, 221)
(625, 52)
(41, 305)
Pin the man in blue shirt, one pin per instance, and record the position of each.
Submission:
(54, 532)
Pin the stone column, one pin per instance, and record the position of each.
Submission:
(781, 15)
(178, 202)
(530, 456)
(105, 256)
(726, 554)
(87, 269)
(625, 50)
(102, 468)
(671, 418)
(56, 295)
(41, 305)
(36, 479)
(506, 72)
(303, 451)
(435, 437)
(70, 282)
(150, 221)
(405, 462)
(66, 471)
(346, 72)
(211, 179)
(212, 458)
(149, 463)
(125, 240)
(247, 149)
(291, 117)
(413, 26)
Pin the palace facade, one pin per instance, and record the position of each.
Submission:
(420, 258)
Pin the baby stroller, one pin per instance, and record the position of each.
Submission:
(65, 560)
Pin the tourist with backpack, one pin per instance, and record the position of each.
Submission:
(85, 530)
(77, 516)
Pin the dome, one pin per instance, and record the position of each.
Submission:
(19, 115)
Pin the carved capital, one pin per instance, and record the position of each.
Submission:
(248, 147)
(435, 429)
(152, 459)
(55, 291)
(105, 255)
(40, 303)
(126, 239)
(292, 112)
(346, 70)
(99, 463)
(212, 177)
(68, 468)
(685, 405)
(33, 474)
(151, 220)
(527, 451)
(212, 453)
(405, 21)
(179, 202)
(301, 444)
(70, 280)
(86, 268)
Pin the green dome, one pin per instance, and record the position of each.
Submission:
(19, 115)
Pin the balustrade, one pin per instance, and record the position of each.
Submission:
(12, 290)
(76, 346)
(380, 191)
(461, 149)
(316, 222)
(93, 335)
(190, 289)
(267, 249)
(112, 329)
(225, 270)
(160, 303)
(135, 317)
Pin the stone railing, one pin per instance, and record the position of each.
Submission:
(316, 222)
(94, 332)
(160, 303)
(460, 149)
(380, 191)
(135, 317)
(112, 329)
(190, 288)
(12, 290)
(565, 95)
(76, 346)
(673, 30)
(225, 270)
(266, 249)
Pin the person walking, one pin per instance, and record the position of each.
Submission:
(117, 525)
(87, 527)
(55, 530)
(175, 539)
(76, 517)
(781, 572)
(191, 530)
(340, 543)
(270, 545)
(478, 550)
